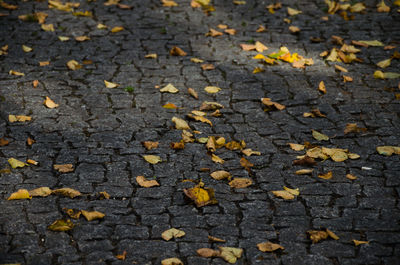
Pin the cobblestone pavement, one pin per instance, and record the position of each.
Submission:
(99, 130)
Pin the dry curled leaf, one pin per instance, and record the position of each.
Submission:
(331, 234)
(61, 225)
(150, 145)
(35, 83)
(122, 256)
(388, 150)
(104, 195)
(172, 233)
(214, 33)
(40, 192)
(283, 194)
(20, 118)
(73, 65)
(73, 213)
(93, 215)
(207, 252)
(351, 177)
(294, 29)
(180, 124)
(230, 31)
(32, 162)
(200, 195)
(15, 163)
(207, 105)
(359, 242)
(293, 12)
(321, 87)
(50, 103)
(152, 159)
(269, 246)
(20, 195)
(240, 183)
(110, 84)
(340, 68)
(317, 236)
(171, 261)
(305, 161)
(117, 29)
(200, 118)
(327, 175)
(292, 191)
(170, 88)
(304, 171)
(67, 192)
(217, 159)
(249, 152)
(216, 239)
(267, 102)
(176, 51)
(261, 28)
(296, 147)
(352, 127)
(64, 168)
(13, 72)
(4, 142)
(246, 164)
(177, 145)
(143, 182)
(151, 56)
(207, 66)
(193, 93)
(233, 145)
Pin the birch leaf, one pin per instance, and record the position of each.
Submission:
(180, 124)
(50, 103)
(93, 215)
(292, 191)
(212, 89)
(221, 174)
(15, 163)
(230, 254)
(61, 225)
(326, 175)
(172, 233)
(319, 136)
(240, 183)
(20, 195)
(201, 196)
(152, 159)
(268, 246)
(170, 89)
(40, 192)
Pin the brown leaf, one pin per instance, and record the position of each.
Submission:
(143, 182)
(246, 164)
(216, 239)
(305, 161)
(61, 225)
(269, 246)
(207, 105)
(121, 256)
(217, 159)
(177, 145)
(176, 51)
(248, 47)
(180, 124)
(230, 31)
(67, 192)
(104, 195)
(73, 213)
(221, 174)
(65, 168)
(359, 242)
(40, 192)
(283, 194)
(340, 68)
(3, 142)
(269, 103)
(321, 87)
(207, 252)
(150, 145)
(261, 28)
(316, 235)
(207, 66)
(249, 152)
(35, 83)
(50, 103)
(327, 175)
(172, 233)
(331, 234)
(211, 144)
(214, 33)
(352, 127)
(171, 261)
(233, 145)
(193, 93)
(351, 177)
(169, 3)
(93, 215)
(240, 183)
(337, 40)
(8, 6)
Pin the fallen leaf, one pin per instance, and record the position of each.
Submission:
(143, 182)
(170, 89)
(40, 192)
(237, 2)
(180, 124)
(152, 159)
(44, 63)
(8, 6)
(151, 56)
(110, 85)
(93, 215)
(150, 145)
(352, 127)
(293, 12)
(261, 28)
(47, 27)
(73, 65)
(246, 164)
(268, 246)
(177, 145)
(260, 47)
(32, 162)
(384, 63)
(230, 254)
(35, 83)
(240, 183)
(73, 213)
(249, 47)
(296, 147)
(200, 118)
(50, 103)
(176, 51)
(217, 159)
(12, 72)
(111, 2)
(389, 47)
(121, 256)
(331, 234)
(230, 31)
(212, 89)
(214, 33)
(207, 66)
(63, 38)
(207, 252)
(64, 168)
(347, 78)
(359, 242)
(294, 29)
(172, 233)
(101, 26)
(187, 137)
(82, 38)
(67, 192)
(193, 93)
(171, 261)
(207, 105)
(221, 174)
(358, 7)
(4, 142)
(319, 136)
(321, 87)
(316, 235)
(123, 6)
(26, 48)
(326, 175)
(15, 163)
(216, 239)
(283, 194)
(117, 29)
(269, 103)
(388, 150)
(305, 161)
(371, 42)
(196, 60)
(201, 196)
(233, 145)
(20, 118)
(104, 195)
(169, 106)
(353, 156)
(340, 68)
(258, 70)
(351, 177)
(61, 225)
(339, 156)
(292, 191)
(382, 7)
(198, 113)
(169, 3)
(249, 152)
(304, 171)
(20, 195)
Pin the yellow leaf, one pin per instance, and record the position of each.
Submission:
(150, 145)
(326, 175)
(82, 38)
(339, 156)
(73, 65)
(388, 150)
(20, 118)
(26, 48)
(372, 42)
(198, 113)
(259, 56)
(40, 192)
(152, 159)
(193, 93)
(260, 47)
(83, 14)
(214, 33)
(14, 163)
(172, 233)
(67, 192)
(104, 195)
(269, 103)
(92, 215)
(110, 85)
(219, 142)
(351, 177)
(283, 194)
(294, 29)
(60, 6)
(292, 191)
(12, 72)
(101, 26)
(73, 213)
(384, 63)
(122, 256)
(237, 2)
(358, 7)
(382, 7)
(293, 12)
(233, 145)
(353, 156)
(230, 31)
(249, 152)
(207, 105)
(340, 68)
(359, 242)
(61, 225)
(180, 124)
(151, 56)
(170, 106)
(143, 182)
(221, 174)
(304, 171)
(171, 261)
(44, 63)
(240, 183)
(170, 89)
(64, 168)
(20, 195)
(217, 159)
(117, 29)
(200, 118)
(63, 38)
(111, 2)
(169, 3)
(176, 51)
(321, 87)
(196, 60)
(269, 246)
(316, 235)
(230, 254)
(47, 27)
(201, 196)
(296, 147)
(258, 70)
(212, 89)
(50, 103)
(319, 136)
(331, 234)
